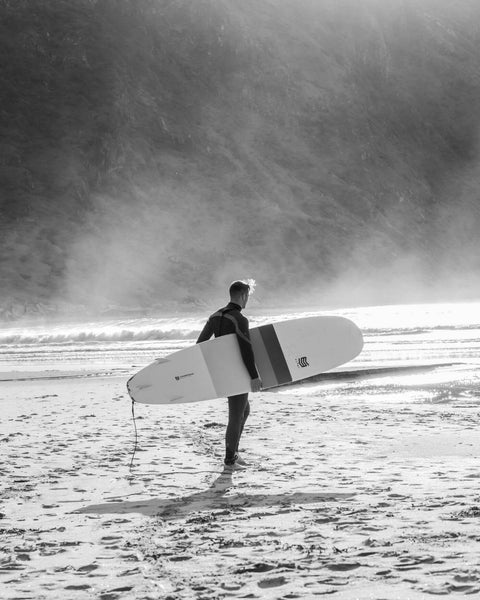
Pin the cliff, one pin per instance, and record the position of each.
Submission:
(152, 151)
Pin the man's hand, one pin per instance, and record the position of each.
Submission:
(256, 384)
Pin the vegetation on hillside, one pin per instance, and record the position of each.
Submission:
(153, 150)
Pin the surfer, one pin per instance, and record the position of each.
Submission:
(229, 319)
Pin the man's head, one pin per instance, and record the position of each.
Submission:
(239, 292)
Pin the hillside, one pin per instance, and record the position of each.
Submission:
(151, 151)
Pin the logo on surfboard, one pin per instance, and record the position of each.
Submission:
(178, 377)
(302, 362)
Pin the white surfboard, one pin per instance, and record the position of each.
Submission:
(284, 352)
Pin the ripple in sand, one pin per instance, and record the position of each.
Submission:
(10, 565)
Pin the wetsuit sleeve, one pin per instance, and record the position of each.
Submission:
(246, 349)
(206, 332)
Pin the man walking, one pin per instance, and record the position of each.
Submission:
(229, 319)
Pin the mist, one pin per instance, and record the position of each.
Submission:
(156, 151)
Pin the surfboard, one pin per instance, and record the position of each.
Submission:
(285, 352)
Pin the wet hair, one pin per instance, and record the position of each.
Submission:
(238, 287)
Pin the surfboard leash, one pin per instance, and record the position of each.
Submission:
(136, 435)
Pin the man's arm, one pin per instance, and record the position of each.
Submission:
(206, 332)
(246, 349)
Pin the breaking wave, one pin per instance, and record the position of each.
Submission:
(91, 336)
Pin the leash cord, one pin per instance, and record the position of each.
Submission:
(136, 435)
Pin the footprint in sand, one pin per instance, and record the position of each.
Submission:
(343, 566)
(114, 593)
(87, 568)
(272, 582)
(257, 568)
(81, 587)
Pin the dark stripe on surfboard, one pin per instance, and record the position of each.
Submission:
(262, 360)
(275, 353)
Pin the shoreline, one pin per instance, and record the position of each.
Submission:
(336, 374)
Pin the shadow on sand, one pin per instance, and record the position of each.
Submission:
(211, 499)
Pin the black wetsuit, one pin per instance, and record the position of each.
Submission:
(229, 319)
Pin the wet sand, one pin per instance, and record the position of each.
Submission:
(365, 488)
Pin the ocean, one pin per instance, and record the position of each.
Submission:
(399, 336)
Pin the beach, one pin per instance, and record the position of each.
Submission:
(364, 484)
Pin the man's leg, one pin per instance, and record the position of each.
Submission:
(246, 413)
(238, 411)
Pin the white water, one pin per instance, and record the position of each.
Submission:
(395, 336)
